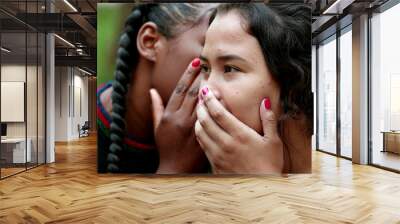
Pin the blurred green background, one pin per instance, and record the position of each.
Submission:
(110, 24)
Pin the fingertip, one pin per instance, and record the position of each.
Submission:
(262, 104)
(263, 111)
(204, 91)
(194, 67)
(196, 63)
(206, 94)
(267, 103)
(197, 127)
(151, 92)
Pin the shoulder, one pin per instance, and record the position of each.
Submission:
(104, 105)
(104, 92)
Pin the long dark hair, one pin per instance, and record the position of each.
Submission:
(284, 34)
(168, 18)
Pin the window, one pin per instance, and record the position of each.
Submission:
(385, 89)
(327, 95)
(346, 92)
(22, 76)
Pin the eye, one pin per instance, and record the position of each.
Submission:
(204, 68)
(229, 68)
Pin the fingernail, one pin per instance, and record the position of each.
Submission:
(267, 103)
(204, 91)
(195, 63)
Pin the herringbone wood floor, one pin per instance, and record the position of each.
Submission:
(70, 191)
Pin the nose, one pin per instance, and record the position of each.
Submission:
(213, 84)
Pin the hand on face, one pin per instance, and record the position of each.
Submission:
(233, 147)
(173, 126)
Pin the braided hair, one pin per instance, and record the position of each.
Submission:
(168, 18)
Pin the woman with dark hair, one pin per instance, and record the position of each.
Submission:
(157, 45)
(256, 107)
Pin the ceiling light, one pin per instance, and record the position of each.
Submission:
(338, 6)
(331, 7)
(5, 50)
(65, 41)
(70, 5)
(84, 71)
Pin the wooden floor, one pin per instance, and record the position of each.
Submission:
(388, 159)
(5, 172)
(70, 191)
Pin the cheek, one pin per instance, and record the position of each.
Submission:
(243, 98)
(170, 69)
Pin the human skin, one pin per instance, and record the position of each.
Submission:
(157, 68)
(233, 67)
(161, 63)
(173, 127)
(235, 71)
(236, 74)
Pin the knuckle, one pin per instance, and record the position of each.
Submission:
(193, 92)
(218, 165)
(241, 137)
(180, 89)
(203, 121)
(166, 116)
(163, 122)
(187, 125)
(181, 126)
(189, 74)
(218, 159)
(217, 114)
(227, 146)
(270, 116)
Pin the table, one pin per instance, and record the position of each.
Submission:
(391, 141)
(16, 147)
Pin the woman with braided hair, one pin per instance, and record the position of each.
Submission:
(159, 44)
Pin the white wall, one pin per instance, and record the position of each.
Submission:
(70, 84)
(15, 72)
(61, 103)
(33, 126)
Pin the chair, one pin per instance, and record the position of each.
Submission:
(84, 130)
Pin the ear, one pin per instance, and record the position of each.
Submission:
(147, 41)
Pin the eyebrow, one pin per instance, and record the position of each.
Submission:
(225, 58)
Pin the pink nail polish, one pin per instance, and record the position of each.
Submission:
(195, 63)
(204, 91)
(267, 103)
